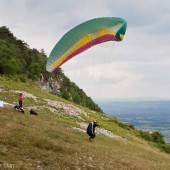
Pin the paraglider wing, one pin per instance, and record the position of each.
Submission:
(84, 36)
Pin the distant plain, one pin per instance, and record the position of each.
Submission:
(146, 115)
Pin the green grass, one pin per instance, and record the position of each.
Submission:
(48, 141)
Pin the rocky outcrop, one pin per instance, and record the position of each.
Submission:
(68, 108)
(50, 86)
(58, 84)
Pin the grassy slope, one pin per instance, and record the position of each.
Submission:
(48, 141)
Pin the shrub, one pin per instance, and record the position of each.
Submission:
(145, 135)
(65, 94)
(157, 137)
(165, 147)
(10, 67)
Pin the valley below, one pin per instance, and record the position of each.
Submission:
(146, 115)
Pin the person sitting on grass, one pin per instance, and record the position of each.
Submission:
(18, 108)
(91, 130)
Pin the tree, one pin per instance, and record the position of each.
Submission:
(34, 69)
(5, 34)
(65, 94)
(157, 137)
(42, 51)
(9, 67)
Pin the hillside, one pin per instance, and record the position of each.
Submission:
(56, 138)
(17, 60)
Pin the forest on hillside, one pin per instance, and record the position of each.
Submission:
(17, 60)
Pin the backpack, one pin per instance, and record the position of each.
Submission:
(32, 112)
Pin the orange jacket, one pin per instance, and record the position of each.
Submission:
(20, 98)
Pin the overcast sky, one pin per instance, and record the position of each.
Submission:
(138, 66)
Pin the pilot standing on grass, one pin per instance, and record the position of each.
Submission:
(20, 99)
(91, 130)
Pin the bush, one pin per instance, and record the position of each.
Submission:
(124, 125)
(23, 78)
(65, 94)
(157, 137)
(165, 147)
(9, 67)
(145, 135)
(34, 71)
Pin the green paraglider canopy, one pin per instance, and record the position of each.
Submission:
(84, 36)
